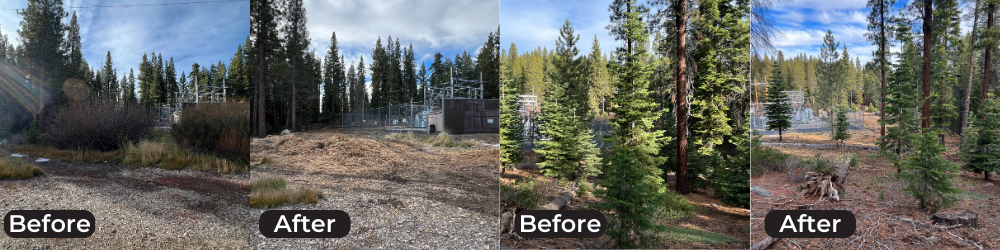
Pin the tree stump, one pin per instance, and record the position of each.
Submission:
(955, 217)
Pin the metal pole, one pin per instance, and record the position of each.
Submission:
(480, 85)
(223, 89)
(197, 97)
(451, 87)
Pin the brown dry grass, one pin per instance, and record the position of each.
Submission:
(272, 192)
(881, 208)
(15, 169)
(68, 155)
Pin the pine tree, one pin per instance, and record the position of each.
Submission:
(511, 126)
(42, 36)
(981, 147)
(901, 119)
(74, 50)
(841, 125)
(779, 110)
(332, 80)
(569, 153)
(634, 189)
(929, 175)
(732, 180)
(129, 94)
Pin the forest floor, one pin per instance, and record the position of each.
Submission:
(135, 208)
(400, 191)
(886, 216)
(712, 224)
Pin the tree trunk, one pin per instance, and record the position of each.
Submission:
(881, 109)
(682, 109)
(925, 120)
(261, 131)
(987, 80)
(972, 69)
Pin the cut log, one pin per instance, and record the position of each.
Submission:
(764, 244)
(559, 202)
(956, 217)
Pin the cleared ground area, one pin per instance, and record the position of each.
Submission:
(399, 189)
(135, 208)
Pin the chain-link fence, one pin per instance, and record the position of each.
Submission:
(392, 117)
(805, 121)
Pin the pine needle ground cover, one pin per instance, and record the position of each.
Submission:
(883, 210)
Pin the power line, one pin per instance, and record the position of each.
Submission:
(143, 5)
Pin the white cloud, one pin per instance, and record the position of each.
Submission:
(536, 23)
(820, 5)
(202, 33)
(431, 26)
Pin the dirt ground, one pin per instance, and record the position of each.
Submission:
(135, 208)
(711, 215)
(400, 193)
(886, 217)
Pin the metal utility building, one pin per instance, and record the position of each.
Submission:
(466, 116)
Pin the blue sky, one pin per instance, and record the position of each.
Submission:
(202, 33)
(805, 22)
(446, 26)
(533, 24)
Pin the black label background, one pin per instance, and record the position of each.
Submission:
(269, 220)
(566, 215)
(774, 219)
(56, 214)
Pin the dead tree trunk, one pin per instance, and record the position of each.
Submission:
(925, 120)
(972, 68)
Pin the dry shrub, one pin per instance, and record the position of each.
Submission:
(15, 169)
(68, 155)
(221, 129)
(100, 125)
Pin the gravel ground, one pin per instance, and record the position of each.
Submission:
(135, 208)
(399, 194)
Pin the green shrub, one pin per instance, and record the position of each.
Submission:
(768, 158)
(818, 164)
(522, 193)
